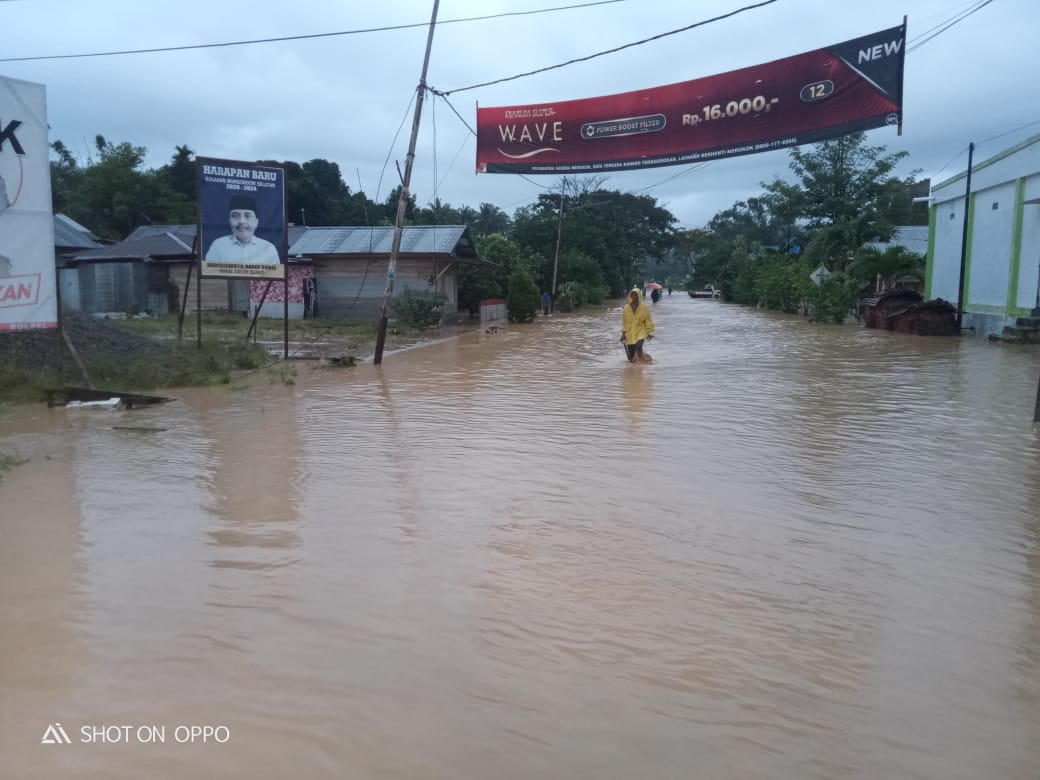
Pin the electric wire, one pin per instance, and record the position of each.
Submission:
(960, 154)
(1009, 132)
(307, 36)
(613, 50)
(953, 21)
(944, 21)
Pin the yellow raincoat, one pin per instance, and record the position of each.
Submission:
(636, 325)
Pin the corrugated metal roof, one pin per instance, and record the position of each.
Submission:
(149, 246)
(450, 240)
(168, 241)
(69, 234)
(913, 237)
(186, 233)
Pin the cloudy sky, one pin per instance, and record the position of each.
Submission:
(347, 98)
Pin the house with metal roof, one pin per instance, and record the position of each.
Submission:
(334, 272)
(70, 236)
(138, 274)
(351, 266)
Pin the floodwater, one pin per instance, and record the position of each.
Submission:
(784, 550)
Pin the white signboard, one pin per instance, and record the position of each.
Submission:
(27, 275)
(819, 275)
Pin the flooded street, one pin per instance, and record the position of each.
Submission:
(783, 551)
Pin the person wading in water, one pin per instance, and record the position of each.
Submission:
(637, 326)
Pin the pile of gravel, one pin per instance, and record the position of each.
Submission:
(92, 337)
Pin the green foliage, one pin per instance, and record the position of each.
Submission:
(491, 219)
(393, 200)
(211, 364)
(112, 195)
(620, 231)
(738, 283)
(581, 269)
(480, 281)
(523, 299)
(832, 300)
(894, 262)
(570, 296)
(419, 309)
(25, 382)
(780, 284)
(595, 295)
(839, 180)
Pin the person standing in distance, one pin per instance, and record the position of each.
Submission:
(637, 326)
(242, 247)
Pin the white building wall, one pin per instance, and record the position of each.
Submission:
(1029, 260)
(946, 252)
(991, 245)
(1003, 168)
(1003, 221)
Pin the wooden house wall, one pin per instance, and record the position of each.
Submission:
(354, 288)
(215, 292)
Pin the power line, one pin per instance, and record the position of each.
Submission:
(310, 36)
(610, 51)
(445, 99)
(951, 162)
(1009, 132)
(954, 20)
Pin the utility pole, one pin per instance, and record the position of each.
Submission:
(964, 239)
(559, 233)
(402, 203)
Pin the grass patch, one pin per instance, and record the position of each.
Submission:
(228, 327)
(21, 383)
(187, 365)
(143, 354)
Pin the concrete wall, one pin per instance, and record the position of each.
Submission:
(1003, 250)
(990, 234)
(1029, 251)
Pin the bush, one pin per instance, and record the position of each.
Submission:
(833, 299)
(523, 299)
(780, 284)
(570, 296)
(419, 310)
(595, 294)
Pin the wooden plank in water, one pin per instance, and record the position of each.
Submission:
(64, 395)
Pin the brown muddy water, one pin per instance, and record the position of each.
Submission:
(783, 551)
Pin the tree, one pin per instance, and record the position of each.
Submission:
(114, 197)
(894, 262)
(838, 197)
(66, 181)
(390, 207)
(619, 230)
(179, 173)
(523, 298)
(490, 279)
(491, 219)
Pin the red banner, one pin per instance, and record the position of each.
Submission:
(826, 93)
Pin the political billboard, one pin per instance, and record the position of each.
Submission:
(28, 290)
(242, 224)
(826, 93)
